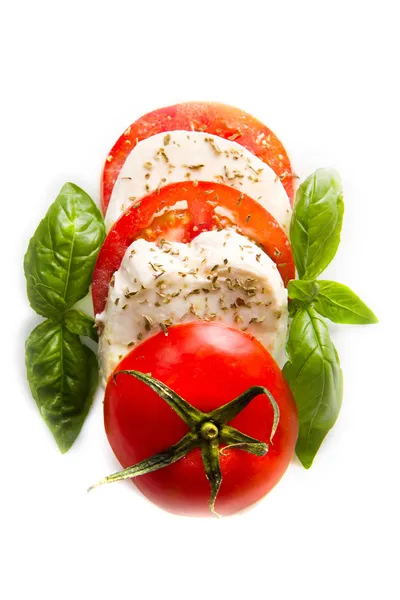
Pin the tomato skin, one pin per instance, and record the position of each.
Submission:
(208, 364)
(260, 228)
(213, 117)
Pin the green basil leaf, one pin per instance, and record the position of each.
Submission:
(316, 222)
(339, 304)
(294, 307)
(304, 291)
(77, 322)
(314, 375)
(63, 376)
(61, 255)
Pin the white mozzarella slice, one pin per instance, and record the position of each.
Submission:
(221, 276)
(188, 156)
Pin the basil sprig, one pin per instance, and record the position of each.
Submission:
(62, 372)
(316, 222)
(315, 377)
(333, 300)
(63, 377)
(313, 369)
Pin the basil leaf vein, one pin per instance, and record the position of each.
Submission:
(63, 377)
(340, 304)
(314, 375)
(316, 222)
(61, 254)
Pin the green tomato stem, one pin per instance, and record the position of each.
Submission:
(208, 431)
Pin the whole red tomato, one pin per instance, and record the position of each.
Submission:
(207, 364)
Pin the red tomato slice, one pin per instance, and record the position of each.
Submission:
(207, 364)
(218, 119)
(204, 200)
(173, 226)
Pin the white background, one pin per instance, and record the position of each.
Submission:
(324, 76)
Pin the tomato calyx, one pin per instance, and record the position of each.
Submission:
(207, 431)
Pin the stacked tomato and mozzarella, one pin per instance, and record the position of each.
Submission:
(176, 268)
